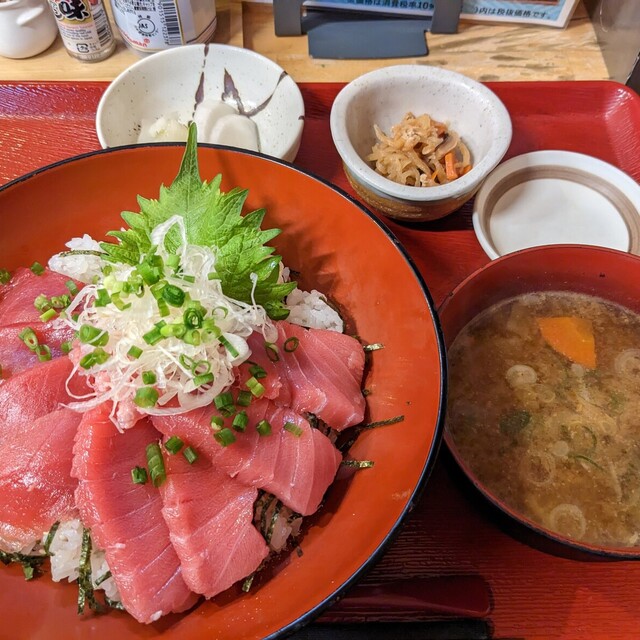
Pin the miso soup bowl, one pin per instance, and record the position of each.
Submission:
(605, 273)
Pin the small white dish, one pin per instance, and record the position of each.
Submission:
(27, 28)
(173, 83)
(557, 197)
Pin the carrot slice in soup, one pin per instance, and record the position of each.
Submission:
(572, 337)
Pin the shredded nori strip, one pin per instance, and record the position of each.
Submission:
(246, 585)
(114, 604)
(31, 565)
(358, 464)
(383, 423)
(102, 578)
(373, 347)
(272, 524)
(85, 584)
(263, 515)
(50, 537)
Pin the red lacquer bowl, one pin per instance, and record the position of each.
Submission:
(338, 248)
(605, 273)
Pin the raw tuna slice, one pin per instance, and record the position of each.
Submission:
(126, 518)
(15, 356)
(314, 370)
(36, 487)
(18, 295)
(34, 393)
(296, 467)
(210, 525)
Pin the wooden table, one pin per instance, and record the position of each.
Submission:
(484, 52)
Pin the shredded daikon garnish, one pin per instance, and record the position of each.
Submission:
(187, 350)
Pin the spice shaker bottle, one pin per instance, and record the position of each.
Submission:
(85, 29)
(147, 26)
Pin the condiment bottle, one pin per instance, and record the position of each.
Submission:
(147, 26)
(85, 29)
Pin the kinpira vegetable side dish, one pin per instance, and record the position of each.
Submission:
(170, 403)
(543, 408)
(420, 152)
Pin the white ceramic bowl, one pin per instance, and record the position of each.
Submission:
(383, 97)
(173, 81)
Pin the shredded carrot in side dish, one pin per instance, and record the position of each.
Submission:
(420, 152)
(450, 166)
(572, 337)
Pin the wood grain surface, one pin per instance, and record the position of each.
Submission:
(482, 51)
(534, 592)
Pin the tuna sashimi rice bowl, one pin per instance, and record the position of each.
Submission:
(176, 406)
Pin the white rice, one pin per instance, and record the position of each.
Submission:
(65, 550)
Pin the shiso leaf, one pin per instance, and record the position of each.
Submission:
(212, 219)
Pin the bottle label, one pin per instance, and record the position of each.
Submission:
(84, 27)
(153, 25)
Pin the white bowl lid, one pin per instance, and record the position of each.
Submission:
(557, 197)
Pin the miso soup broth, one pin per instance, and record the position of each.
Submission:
(544, 407)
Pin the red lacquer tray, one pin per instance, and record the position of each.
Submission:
(535, 594)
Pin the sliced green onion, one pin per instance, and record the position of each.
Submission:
(257, 371)
(263, 427)
(273, 353)
(149, 377)
(97, 356)
(93, 336)
(240, 421)
(139, 475)
(213, 276)
(149, 274)
(244, 398)
(66, 347)
(48, 315)
(157, 289)
(224, 310)
(291, 344)
(192, 318)
(224, 403)
(173, 444)
(186, 361)
(5, 276)
(28, 336)
(163, 307)
(73, 288)
(217, 423)
(228, 346)
(102, 298)
(41, 303)
(43, 352)
(358, 464)
(60, 302)
(134, 352)
(190, 279)
(200, 367)
(224, 437)
(201, 379)
(173, 295)
(152, 337)
(190, 454)
(255, 387)
(192, 337)
(37, 268)
(173, 261)
(146, 397)
(293, 428)
(155, 462)
(119, 303)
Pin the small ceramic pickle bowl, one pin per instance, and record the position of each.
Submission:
(382, 97)
(557, 197)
